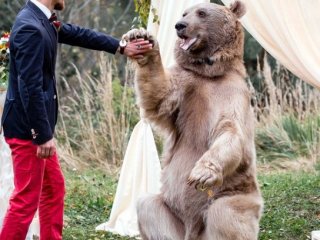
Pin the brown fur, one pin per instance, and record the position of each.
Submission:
(204, 110)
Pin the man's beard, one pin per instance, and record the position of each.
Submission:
(59, 6)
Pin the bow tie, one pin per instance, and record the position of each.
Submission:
(53, 18)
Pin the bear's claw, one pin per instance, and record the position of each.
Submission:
(138, 33)
(205, 174)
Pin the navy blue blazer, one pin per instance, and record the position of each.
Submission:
(31, 105)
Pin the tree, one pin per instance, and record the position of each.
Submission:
(8, 12)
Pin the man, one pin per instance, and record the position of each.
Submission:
(30, 114)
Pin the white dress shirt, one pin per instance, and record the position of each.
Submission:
(42, 7)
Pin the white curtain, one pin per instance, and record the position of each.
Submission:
(289, 30)
(140, 173)
(6, 180)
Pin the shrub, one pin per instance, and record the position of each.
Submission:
(289, 138)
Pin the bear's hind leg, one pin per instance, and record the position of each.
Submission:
(156, 221)
(236, 217)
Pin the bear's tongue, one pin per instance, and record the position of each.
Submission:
(186, 43)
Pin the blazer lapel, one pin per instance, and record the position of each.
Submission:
(50, 29)
(53, 36)
(45, 22)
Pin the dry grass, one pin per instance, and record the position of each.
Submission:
(288, 118)
(283, 94)
(94, 125)
(97, 116)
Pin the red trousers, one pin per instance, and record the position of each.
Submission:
(39, 184)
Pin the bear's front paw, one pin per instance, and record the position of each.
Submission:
(140, 33)
(206, 174)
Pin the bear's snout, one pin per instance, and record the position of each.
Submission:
(180, 26)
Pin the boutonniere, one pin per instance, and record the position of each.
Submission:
(57, 25)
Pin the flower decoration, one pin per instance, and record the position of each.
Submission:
(4, 60)
(57, 25)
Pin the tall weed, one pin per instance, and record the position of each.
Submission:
(96, 117)
(289, 138)
(98, 114)
(288, 116)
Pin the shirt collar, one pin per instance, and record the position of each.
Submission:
(43, 8)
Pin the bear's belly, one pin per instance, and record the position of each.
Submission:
(182, 198)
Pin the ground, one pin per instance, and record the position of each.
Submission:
(291, 212)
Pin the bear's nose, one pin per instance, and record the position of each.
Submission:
(181, 25)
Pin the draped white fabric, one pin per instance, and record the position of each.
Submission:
(140, 173)
(6, 180)
(289, 31)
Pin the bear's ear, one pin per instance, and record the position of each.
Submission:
(238, 8)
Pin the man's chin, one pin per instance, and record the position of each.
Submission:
(59, 7)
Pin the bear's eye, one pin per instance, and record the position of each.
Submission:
(202, 13)
(185, 14)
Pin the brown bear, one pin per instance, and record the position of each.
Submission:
(202, 104)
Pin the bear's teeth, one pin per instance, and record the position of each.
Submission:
(187, 43)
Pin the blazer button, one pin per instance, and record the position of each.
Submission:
(55, 96)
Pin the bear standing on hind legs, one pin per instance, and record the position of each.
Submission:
(202, 104)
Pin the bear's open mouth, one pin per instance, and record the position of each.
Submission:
(186, 43)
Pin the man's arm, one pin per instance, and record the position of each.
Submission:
(87, 38)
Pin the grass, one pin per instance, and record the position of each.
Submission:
(291, 205)
(88, 203)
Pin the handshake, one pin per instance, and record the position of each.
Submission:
(136, 43)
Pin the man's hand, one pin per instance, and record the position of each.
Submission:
(136, 48)
(46, 150)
